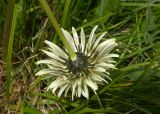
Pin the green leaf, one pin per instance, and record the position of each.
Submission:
(9, 52)
(107, 7)
(90, 110)
(30, 110)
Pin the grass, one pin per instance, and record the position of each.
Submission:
(135, 84)
(9, 53)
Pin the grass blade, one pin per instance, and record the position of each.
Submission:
(9, 53)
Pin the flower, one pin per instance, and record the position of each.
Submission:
(88, 70)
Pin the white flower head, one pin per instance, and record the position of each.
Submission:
(88, 70)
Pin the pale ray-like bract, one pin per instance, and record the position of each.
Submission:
(90, 69)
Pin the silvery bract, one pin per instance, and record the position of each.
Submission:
(86, 72)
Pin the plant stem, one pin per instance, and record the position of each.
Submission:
(53, 20)
(7, 29)
(9, 53)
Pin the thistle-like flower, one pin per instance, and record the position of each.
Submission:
(88, 70)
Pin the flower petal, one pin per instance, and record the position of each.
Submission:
(105, 75)
(57, 83)
(58, 51)
(53, 89)
(73, 89)
(82, 40)
(85, 91)
(62, 89)
(53, 56)
(79, 90)
(107, 46)
(75, 36)
(98, 78)
(90, 41)
(98, 40)
(105, 65)
(108, 57)
(91, 84)
(66, 91)
(69, 39)
(100, 69)
(91, 37)
(104, 48)
(45, 71)
(51, 62)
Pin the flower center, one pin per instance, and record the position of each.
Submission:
(78, 65)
